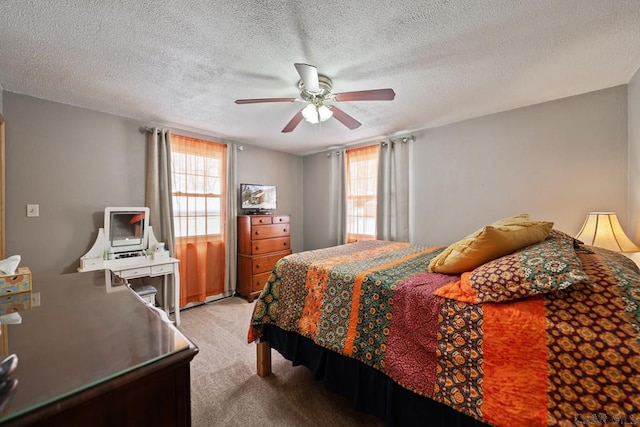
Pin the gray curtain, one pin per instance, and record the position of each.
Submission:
(337, 210)
(393, 190)
(158, 188)
(158, 194)
(231, 248)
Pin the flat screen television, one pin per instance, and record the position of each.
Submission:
(126, 228)
(258, 198)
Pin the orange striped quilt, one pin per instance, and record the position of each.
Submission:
(566, 357)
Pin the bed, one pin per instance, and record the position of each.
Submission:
(548, 334)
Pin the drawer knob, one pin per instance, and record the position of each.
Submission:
(257, 265)
(284, 229)
(284, 243)
(257, 248)
(257, 232)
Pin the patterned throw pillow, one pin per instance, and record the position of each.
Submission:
(546, 266)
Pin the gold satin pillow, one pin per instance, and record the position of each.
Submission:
(490, 242)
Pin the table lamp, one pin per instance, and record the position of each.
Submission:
(602, 229)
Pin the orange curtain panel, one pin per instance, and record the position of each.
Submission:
(199, 178)
(361, 192)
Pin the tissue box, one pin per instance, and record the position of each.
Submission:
(15, 302)
(20, 281)
(160, 255)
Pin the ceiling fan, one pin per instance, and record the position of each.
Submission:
(315, 90)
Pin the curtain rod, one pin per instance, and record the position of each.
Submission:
(403, 139)
(145, 129)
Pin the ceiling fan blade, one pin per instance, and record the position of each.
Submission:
(293, 122)
(258, 100)
(309, 75)
(367, 95)
(344, 118)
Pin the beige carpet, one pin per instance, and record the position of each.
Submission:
(225, 390)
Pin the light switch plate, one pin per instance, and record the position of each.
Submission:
(33, 210)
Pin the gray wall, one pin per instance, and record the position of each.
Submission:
(259, 166)
(633, 94)
(556, 161)
(318, 231)
(73, 162)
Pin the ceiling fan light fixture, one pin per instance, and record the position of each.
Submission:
(310, 114)
(324, 113)
(316, 114)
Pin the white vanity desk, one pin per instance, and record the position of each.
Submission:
(147, 266)
(154, 265)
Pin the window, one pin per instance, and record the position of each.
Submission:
(199, 179)
(361, 192)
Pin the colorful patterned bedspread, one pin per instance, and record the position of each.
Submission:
(569, 357)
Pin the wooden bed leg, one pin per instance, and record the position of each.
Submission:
(263, 358)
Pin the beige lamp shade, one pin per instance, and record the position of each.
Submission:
(602, 229)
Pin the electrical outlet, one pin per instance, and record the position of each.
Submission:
(35, 299)
(33, 211)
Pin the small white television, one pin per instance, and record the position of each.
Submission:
(126, 228)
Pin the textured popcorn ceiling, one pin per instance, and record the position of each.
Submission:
(182, 63)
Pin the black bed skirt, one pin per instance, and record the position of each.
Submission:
(370, 390)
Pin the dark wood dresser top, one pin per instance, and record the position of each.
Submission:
(81, 338)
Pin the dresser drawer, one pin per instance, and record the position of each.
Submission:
(260, 220)
(264, 264)
(134, 272)
(269, 231)
(270, 245)
(258, 281)
(280, 219)
(157, 270)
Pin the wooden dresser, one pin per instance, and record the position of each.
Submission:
(89, 357)
(262, 241)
